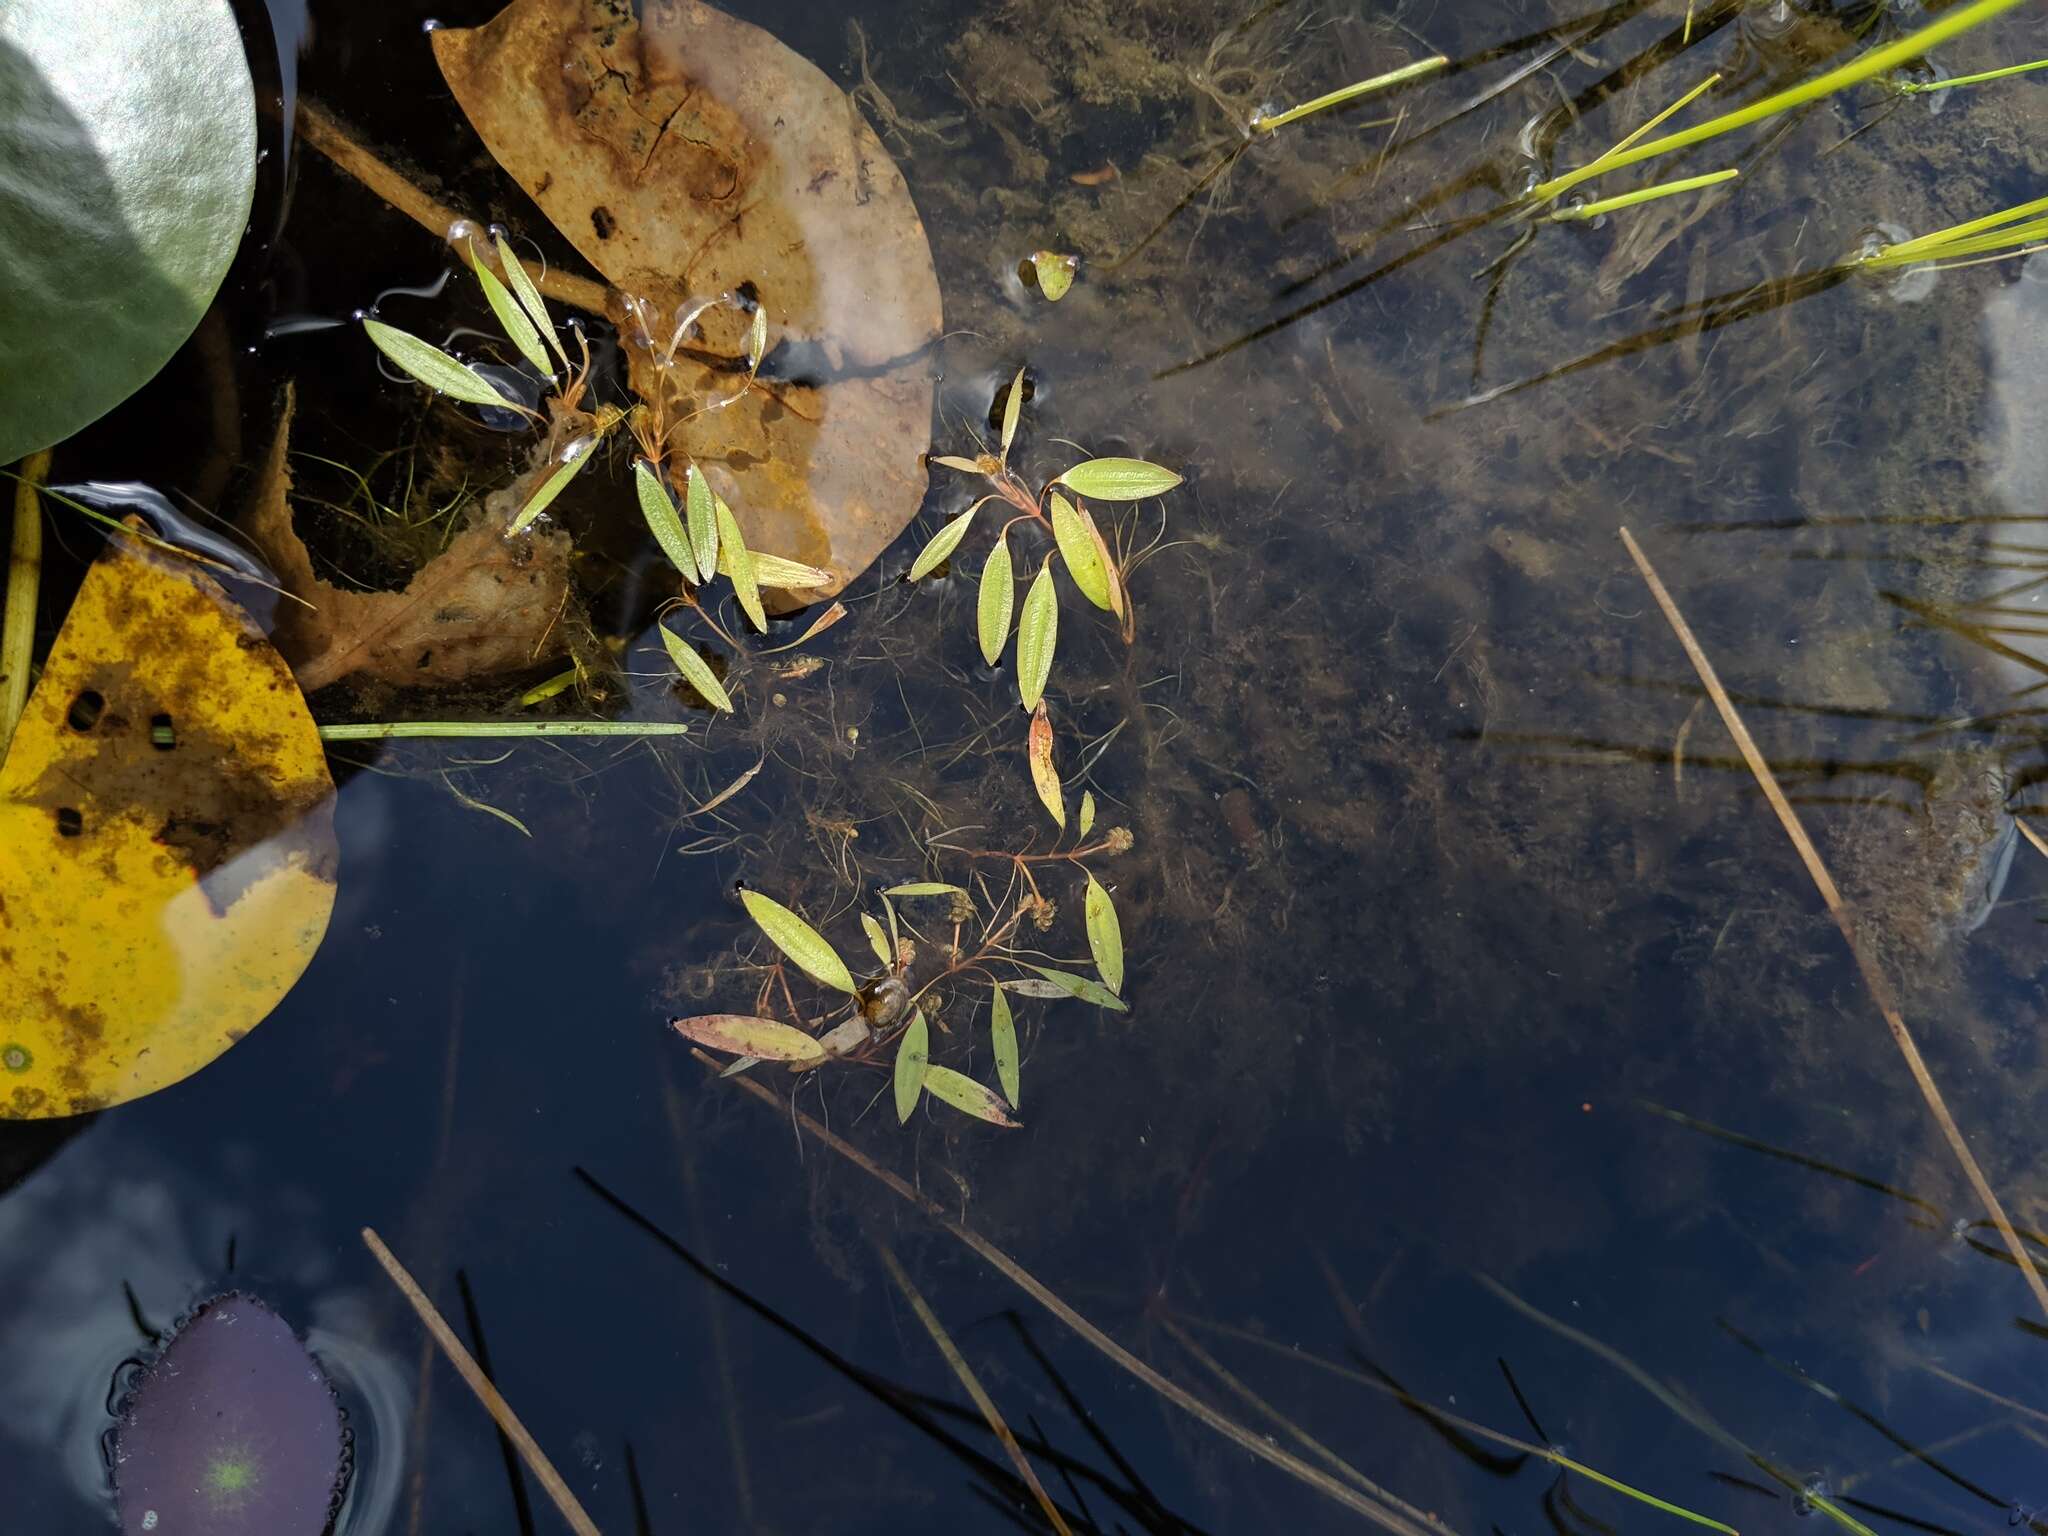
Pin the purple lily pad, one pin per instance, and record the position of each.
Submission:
(234, 1431)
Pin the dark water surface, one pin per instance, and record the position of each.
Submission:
(1486, 1038)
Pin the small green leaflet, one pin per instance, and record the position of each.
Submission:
(913, 1062)
(1078, 549)
(792, 575)
(574, 457)
(1087, 812)
(998, 594)
(1002, 1029)
(967, 1096)
(1105, 936)
(738, 564)
(1120, 479)
(943, 543)
(925, 888)
(798, 940)
(1081, 987)
(1013, 408)
(878, 941)
(512, 320)
(703, 528)
(696, 670)
(659, 509)
(435, 368)
(1055, 273)
(1037, 633)
(529, 296)
(744, 1036)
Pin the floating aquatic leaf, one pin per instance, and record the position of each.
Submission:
(574, 456)
(774, 571)
(695, 669)
(1002, 1030)
(1078, 548)
(737, 561)
(913, 1061)
(235, 1431)
(967, 1096)
(942, 544)
(925, 888)
(127, 167)
(530, 300)
(1044, 777)
(1037, 634)
(1013, 410)
(1087, 812)
(1081, 987)
(512, 319)
(1120, 479)
(685, 152)
(1032, 986)
(764, 1039)
(435, 368)
(1105, 936)
(954, 461)
(1111, 576)
(878, 941)
(1055, 272)
(703, 529)
(156, 901)
(757, 340)
(993, 604)
(658, 508)
(798, 940)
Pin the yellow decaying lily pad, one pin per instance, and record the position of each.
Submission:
(167, 854)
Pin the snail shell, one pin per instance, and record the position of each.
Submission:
(884, 1001)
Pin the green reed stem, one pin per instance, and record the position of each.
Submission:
(1922, 87)
(1878, 61)
(1636, 1493)
(395, 730)
(1945, 241)
(1646, 195)
(1395, 77)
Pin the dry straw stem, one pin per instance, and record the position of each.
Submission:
(1873, 978)
(501, 1411)
(1389, 1518)
(982, 1400)
(317, 127)
(24, 580)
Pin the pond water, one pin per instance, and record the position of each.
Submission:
(1489, 1053)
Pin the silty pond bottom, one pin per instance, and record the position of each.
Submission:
(1490, 1059)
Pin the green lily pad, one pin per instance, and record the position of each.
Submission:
(127, 166)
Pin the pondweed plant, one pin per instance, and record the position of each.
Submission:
(887, 1011)
(1079, 546)
(702, 540)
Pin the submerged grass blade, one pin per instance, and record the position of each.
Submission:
(1338, 98)
(1922, 87)
(1645, 195)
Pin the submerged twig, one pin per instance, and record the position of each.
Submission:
(24, 581)
(500, 1411)
(1873, 978)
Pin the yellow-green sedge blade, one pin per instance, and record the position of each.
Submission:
(574, 457)
(798, 940)
(512, 319)
(942, 544)
(530, 299)
(436, 369)
(703, 524)
(995, 600)
(1013, 408)
(1037, 634)
(1079, 551)
(695, 669)
(658, 508)
(913, 1060)
(1002, 1030)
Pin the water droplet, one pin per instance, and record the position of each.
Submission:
(431, 25)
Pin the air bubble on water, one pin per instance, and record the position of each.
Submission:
(462, 231)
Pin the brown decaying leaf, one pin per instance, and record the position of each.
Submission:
(688, 154)
(1044, 777)
(485, 604)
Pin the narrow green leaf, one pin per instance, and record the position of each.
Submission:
(744, 1036)
(954, 461)
(1105, 935)
(1081, 987)
(574, 457)
(1087, 812)
(1037, 634)
(695, 669)
(998, 594)
(878, 941)
(1078, 549)
(1120, 479)
(738, 563)
(435, 368)
(791, 575)
(967, 1096)
(530, 299)
(942, 544)
(512, 320)
(703, 527)
(798, 940)
(1002, 1029)
(1032, 986)
(1013, 408)
(659, 510)
(925, 888)
(913, 1062)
